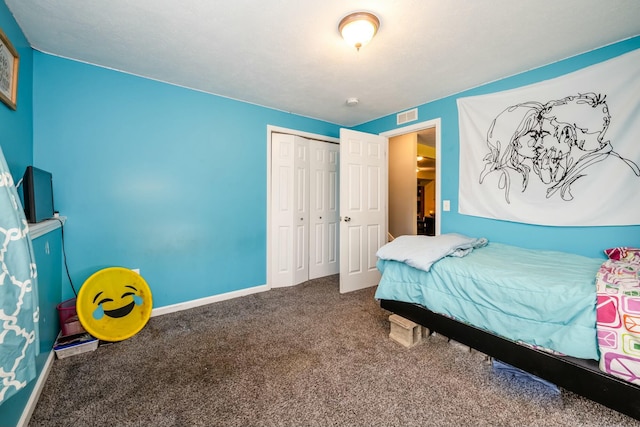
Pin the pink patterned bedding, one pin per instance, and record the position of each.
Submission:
(618, 313)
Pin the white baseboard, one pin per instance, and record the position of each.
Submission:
(208, 300)
(37, 389)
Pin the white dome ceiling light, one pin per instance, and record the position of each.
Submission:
(358, 28)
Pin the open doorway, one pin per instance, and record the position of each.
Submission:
(426, 182)
(414, 184)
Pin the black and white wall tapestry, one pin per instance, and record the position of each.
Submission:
(562, 152)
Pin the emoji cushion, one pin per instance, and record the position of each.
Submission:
(114, 304)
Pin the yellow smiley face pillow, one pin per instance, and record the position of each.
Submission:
(114, 304)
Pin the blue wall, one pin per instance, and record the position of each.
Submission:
(17, 136)
(156, 177)
(589, 241)
(16, 141)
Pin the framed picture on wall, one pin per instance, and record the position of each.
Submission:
(9, 60)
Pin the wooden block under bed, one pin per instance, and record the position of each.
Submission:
(405, 332)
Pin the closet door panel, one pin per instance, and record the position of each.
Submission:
(301, 215)
(289, 210)
(324, 209)
(333, 213)
(282, 198)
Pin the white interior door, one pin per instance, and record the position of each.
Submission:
(363, 207)
(323, 209)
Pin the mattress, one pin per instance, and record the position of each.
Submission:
(545, 299)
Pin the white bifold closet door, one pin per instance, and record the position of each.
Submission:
(304, 209)
(323, 209)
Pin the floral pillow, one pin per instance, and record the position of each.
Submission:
(623, 254)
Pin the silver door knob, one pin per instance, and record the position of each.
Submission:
(347, 219)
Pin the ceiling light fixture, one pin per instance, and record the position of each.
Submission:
(358, 28)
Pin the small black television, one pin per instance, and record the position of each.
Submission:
(37, 189)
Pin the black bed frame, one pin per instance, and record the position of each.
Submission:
(580, 376)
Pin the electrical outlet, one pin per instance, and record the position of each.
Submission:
(136, 270)
(446, 205)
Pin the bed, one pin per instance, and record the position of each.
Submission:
(539, 311)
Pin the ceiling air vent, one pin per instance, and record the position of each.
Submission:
(407, 116)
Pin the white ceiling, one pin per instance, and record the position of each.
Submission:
(288, 55)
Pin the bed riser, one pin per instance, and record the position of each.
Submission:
(580, 376)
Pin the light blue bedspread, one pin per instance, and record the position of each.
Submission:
(543, 298)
